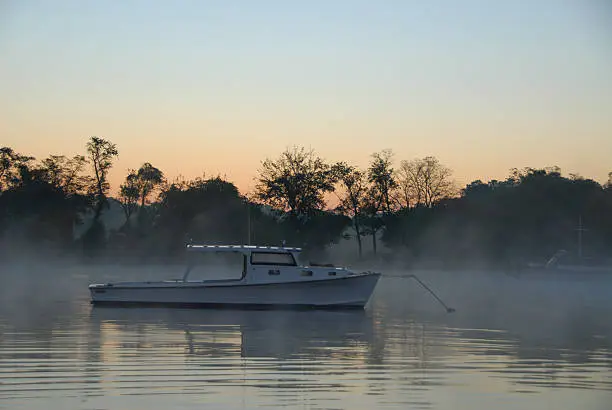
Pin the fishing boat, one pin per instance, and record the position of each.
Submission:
(270, 277)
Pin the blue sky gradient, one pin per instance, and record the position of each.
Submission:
(217, 86)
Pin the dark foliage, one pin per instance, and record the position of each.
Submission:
(55, 205)
(528, 217)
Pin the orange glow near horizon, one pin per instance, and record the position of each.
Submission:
(240, 165)
(205, 87)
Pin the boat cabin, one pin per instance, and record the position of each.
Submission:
(264, 264)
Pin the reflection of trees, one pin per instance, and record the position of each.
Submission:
(45, 345)
(527, 330)
(406, 356)
(276, 348)
(402, 342)
(384, 349)
(540, 350)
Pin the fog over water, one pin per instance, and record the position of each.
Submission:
(529, 340)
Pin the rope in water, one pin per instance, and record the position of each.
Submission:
(415, 277)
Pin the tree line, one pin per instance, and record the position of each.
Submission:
(412, 210)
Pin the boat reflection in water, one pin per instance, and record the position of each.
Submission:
(270, 333)
(403, 352)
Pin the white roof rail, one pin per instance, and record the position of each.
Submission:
(240, 248)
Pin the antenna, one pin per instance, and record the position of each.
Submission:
(580, 229)
(248, 224)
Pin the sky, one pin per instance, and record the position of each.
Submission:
(216, 87)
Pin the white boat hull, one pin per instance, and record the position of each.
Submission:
(343, 292)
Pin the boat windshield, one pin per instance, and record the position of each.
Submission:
(272, 258)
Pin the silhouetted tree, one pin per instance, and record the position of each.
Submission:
(379, 197)
(11, 166)
(148, 178)
(528, 216)
(129, 193)
(295, 182)
(66, 173)
(203, 210)
(145, 181)
(353, 198)
(322, 228)
(381, 176)
(101, 154)
(424, 182)
(45, 204)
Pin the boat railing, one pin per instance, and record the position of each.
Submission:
(240, 248)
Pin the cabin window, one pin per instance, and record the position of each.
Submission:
(217, 265)
(271, 258)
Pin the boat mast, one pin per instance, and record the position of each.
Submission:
(248, 223)
(580, 230)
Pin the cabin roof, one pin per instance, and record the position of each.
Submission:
(240, 248)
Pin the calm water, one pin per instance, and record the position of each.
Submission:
(514, 343)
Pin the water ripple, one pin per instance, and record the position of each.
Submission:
(71, 355)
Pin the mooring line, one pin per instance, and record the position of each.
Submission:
(415, 277)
